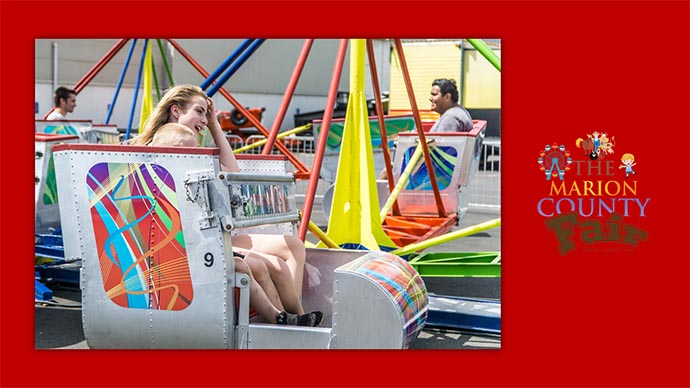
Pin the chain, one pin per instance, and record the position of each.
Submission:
(186, 188)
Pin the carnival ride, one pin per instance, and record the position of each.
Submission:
(149, 227)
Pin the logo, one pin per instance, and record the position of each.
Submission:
(589, 202)
(554, 160)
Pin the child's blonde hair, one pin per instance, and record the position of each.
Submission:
(630, 157)
(174, 134)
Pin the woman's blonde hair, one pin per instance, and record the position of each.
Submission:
(179, 95)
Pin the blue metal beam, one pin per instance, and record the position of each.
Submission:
(464, 314)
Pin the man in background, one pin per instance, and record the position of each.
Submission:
(65, 101)
(444, 100)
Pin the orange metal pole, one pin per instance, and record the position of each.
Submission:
(420, 131)
(321, 143)
(382, 123)
(289, 91)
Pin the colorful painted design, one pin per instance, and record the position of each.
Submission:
(139, 239)
(394, 125)
(50, 195)
(443, 159)
(60, 130)
(402, 282)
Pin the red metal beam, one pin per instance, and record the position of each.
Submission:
(382, 122)
(420, 131)
(289, 91)
(321, 143)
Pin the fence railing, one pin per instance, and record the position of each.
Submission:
(485, 188)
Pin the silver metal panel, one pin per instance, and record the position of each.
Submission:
(379, 302)
(265, 336)
(318, 281)
(257, 164)
(364, 316)
(207, 321)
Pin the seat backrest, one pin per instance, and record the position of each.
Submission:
(46, 196)
(455, 158)
(104, 134)
(148, 226)
(79, 128)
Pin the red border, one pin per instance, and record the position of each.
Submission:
(617, 319)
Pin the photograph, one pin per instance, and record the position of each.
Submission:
(209, 239)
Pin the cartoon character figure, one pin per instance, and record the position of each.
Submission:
(596, 146)
(606, 146)
(587, 146)
(628, 161)
(596, 141)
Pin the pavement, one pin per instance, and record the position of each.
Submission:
(58, 323)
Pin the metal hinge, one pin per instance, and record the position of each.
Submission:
(196, 182)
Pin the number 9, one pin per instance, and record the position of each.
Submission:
(208, 259)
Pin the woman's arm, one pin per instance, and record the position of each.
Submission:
(228, 162)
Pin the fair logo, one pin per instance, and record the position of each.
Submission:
(591, 196)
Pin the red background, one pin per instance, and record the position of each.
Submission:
(568, 68)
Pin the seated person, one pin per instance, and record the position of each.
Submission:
(444, 100)
(272, 292)
(189, 105)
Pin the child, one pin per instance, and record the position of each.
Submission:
(628, 161)
(174, 134)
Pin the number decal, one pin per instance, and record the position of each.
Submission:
(208, 259)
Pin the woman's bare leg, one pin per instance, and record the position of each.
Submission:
(262, 275)
(280, 279)
(289, 248)
(257, 297)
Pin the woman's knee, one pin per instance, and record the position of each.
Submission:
(259, 269)
(296, 246)
(282, 271)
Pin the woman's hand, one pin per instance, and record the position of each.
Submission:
(211, 112)
(227, 157)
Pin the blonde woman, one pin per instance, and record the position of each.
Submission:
(280, 254)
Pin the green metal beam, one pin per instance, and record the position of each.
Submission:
(486, 52)
(471, 264)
